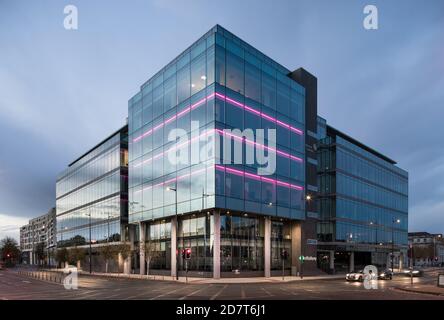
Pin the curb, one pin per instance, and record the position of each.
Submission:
(419, 291)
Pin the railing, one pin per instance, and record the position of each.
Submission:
(43, 275)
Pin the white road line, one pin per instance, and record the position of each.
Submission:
(194, 292)
(165, 294)
(219, 292)
(267, 292)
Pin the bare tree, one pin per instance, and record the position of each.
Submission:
(76, 255)
(62, 256)
(150, 253)
(125, 251)
(108, 252)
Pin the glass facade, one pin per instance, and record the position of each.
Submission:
(364, 196)
(91, 194)
(219, 83)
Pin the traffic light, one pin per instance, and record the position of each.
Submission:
(183, 253)
(284, 254)
(188, 253)
(301, 258)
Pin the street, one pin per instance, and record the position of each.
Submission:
(14, 286)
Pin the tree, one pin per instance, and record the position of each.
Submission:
(9, 250)
(75, 255)
(40, 251)
(62, 256)
(150, 251)
(125, 251)
(108, 252)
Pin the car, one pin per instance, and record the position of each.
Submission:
(414, 272)
(2, 266)
(386, 274)
(355, 276)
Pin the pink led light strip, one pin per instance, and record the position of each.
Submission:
(173, 180)
(279, 152)
(223, 97)
(180, 114)
(258, 113)
(221, 132)
(259, 178)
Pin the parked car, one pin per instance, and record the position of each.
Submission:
(355, 276)
(386, 274)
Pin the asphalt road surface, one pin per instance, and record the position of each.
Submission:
(18, 287)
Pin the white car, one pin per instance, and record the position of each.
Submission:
(355, 276)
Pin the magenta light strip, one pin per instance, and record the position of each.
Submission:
(161, 154)
(257, 177)
(180, 114)
(173, 180)
(223, 97)
(279, 152)
(261, 114)
(220, 132)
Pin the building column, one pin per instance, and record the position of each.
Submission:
(142, 235)
(173, 246)
(352, 261)
(216, 245)
(296, 252)
(332, 260)
(401, 261)
(267, 248)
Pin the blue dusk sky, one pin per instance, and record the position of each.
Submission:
(63, 91)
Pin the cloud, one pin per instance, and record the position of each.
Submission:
(10, 226)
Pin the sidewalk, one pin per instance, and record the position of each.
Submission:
(424, 289)
(215, 281)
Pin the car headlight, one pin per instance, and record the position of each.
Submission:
(347, 275)
(356, 276)
(382, 274)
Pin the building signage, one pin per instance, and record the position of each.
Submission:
(308, 258)
(312, 242)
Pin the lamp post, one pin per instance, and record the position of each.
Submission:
(393, 240)
(90, 241)
(177, 224)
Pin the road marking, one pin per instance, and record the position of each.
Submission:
(243, 296)
(194, 292)
(165, 294)
(219, 292)
(267, 292)
(26, 281)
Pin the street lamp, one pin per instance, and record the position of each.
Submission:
(90, 240)
(177, 224)
(393, 240)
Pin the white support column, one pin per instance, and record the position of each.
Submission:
(352, 261)
(142, 236)
(332, 260)
(267, 247)
(173, 246)
(216, 245)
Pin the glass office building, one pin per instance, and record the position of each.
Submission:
(363, 201)
(92, 196)
(209, 201)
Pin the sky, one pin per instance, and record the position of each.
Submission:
(62, 91)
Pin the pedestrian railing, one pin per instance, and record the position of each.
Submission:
(43, 275)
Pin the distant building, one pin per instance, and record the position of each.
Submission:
(426, 248)
(363, 201)
(92, 198)
(39, 231)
